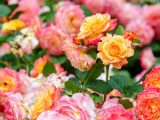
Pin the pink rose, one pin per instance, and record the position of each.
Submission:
(125, 12)
(95, 6)
(4, 49)
(14, 108)
(147, 58)
(144, 31)
(52, 38)
(69, 18)
(111, 110)
(152, 16)
(12, 81)
(79, 107)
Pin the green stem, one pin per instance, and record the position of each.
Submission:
(107, 76)
(107, 73)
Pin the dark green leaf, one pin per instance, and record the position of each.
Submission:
(4, 10)
(95, 72)
(99, 86)
(134, 90)
(73, 85)
(126, 103)
(85, 10)
(79, 74)
(120, 30)
(6, 38)
(119, 82)
(48, 69)
(96, 98)
(92, 53)
(59, 59)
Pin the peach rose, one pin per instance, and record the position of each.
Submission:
(12, 25)
(14, 107)
(79, 107)
(111, 110)
(152, 80)
(147, 58)
(45, 100)
(78, 58)
(93, 26)
(69, 18)
(143, 30)
(52, 38)
(114, 50)
(148, 105)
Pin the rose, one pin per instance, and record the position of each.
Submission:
(143, 30)
(93, 26)
(111, 110)
(14, 107)
(45, 100)
(152, 80)
(79, 107)
(148, 105)
(95, 6)
(114, 50)
(77, 57)
(152, 16)
(52, 37)
(147, 58)
(4, 48)
(12, 25)
(12, 81)
(69, 18)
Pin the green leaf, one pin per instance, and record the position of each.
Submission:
(95, 72)
(136, 42)
(119, 82)
(92, 52)
(4, 10)
(120, 30)
(134, 90)
(6, 38)
(85, 10)
(73, 85)
(99, 86)
(79, 74)
(59, 59)
(48, 69)
(96, 98)
(126, 103)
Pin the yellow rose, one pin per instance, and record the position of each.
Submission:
(93, 26)
(45, 100)
(12, 25)
(115, 50)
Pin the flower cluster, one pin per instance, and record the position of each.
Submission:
(72, 60)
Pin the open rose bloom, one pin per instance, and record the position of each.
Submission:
(79, 60)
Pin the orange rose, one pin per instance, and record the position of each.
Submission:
(115, 50)
(93, 26)
(12, 25)
(148, 106)
(152, 80)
